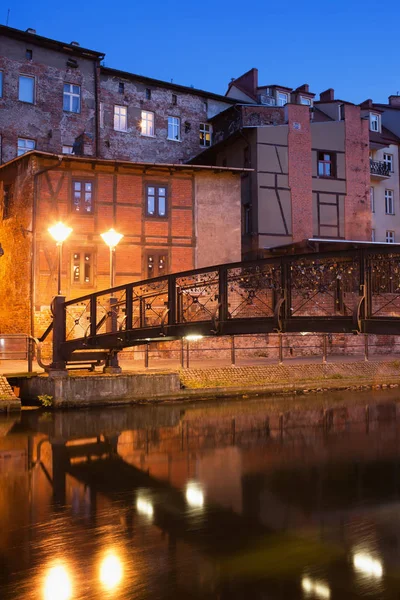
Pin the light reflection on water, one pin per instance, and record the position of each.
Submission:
(165, 502)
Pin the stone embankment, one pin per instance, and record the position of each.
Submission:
(8, 400)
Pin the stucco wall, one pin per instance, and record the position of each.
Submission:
(217, 219)
(382, 222)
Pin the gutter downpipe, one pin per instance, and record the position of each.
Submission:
(33, 251)
(97, 66)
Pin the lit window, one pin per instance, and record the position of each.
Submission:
(282, 99)
(156, 201)
(372, 198)
(82, 268)
(156, 265)
(120, 118)
(389, 202)
(26, 89)
(390, 237)
(304, 100)
(67, 149)
(388, 160)
(25, 145)
(72, 98)
(147, 123)
(205, 135)
(174, 128)
(374, 122)
(82, 196)
(1, 84)
(326, 164)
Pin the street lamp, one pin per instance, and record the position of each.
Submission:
(112, 239)
(59, 232)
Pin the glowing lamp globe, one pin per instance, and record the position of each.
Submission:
(112, 238)
(59, 232)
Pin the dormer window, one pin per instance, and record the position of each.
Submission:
(374, 122)
(282, 98)
(304, 100)
(341, 112)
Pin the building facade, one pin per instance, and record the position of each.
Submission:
(161, 210)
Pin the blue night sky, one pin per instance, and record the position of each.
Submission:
(350, 46)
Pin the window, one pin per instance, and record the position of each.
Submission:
(341, 112)
(1, 84)
(67, 149)
(388, 160)
(304, 100)
(174, 99)
(7, 199)
(148, 93)
(120, 118)
(372, 235)
(282, 99)
(82, 268)
(156, 201)
(374, 122)
(156, 264)
(174, 128)
(121, 87)
(28, 54)
(205, 135)
(372, 198)
(82, 196)
(389, 202)
(26, 89)
(147, 123)
(72, 98)
(326, 164)
(390, 237)
(25, 145)
(102, 115)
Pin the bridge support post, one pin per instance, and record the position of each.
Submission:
(58, 364)
(366, 347)
(112, 364)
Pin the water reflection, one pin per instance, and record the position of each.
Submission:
(179, 502)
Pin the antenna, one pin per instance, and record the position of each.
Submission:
(8, 16)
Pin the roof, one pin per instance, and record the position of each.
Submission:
(33, 38)
(384, 138)
(173, 86)
(324, 245)
(106, 161)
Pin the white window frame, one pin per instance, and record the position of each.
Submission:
(23, 148)
(67, 149)
(341, 112)
(280, 100)
(71, 94)
(174, 129)
(389, 202)
(305, 101)
(375, 122)
(388, 160)
(147, 123)
(120, 118)
(205, 128)
(32, 78)
(372, 198)
(390, 237)
(373, 235)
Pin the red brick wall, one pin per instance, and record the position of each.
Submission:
(357, 209)
(300, 171)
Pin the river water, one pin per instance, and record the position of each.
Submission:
(198, 501)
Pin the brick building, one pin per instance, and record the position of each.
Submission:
(58, 97)
(170, 216)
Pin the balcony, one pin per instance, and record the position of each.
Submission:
(379, 169)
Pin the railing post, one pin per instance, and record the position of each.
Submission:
(182, 354)
(187, 354)
(280, 348)
(30, 351)
(93, 316)
(223, 293)
(146, 357)
(324, 348)
(129, 308)
(58, 362)
(172, 299)
(366, 347)
(112, 364)
(233, 353)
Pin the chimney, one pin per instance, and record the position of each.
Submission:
(75, 44)
(304, 88)
(394, 100)
(30, 30)
(327, 96)
(367, 104)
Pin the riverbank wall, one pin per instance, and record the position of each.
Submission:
(97, 389)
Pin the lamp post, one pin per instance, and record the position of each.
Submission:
(59, 233)
(112, 239)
